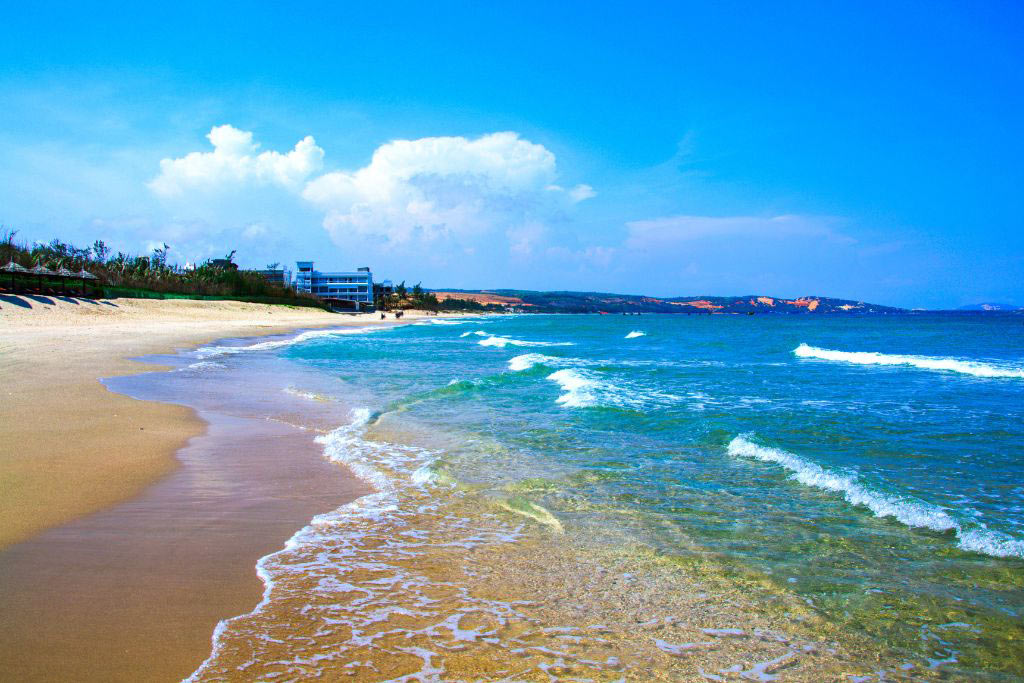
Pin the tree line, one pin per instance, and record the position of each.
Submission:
(403, 298)
(135, 275)
(152, 273)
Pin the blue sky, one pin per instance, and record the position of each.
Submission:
(861, 150)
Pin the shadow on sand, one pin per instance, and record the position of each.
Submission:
(25, 300)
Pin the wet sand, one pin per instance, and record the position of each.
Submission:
(104, 574)
(68, 446)
(434, 585)
(133, 593)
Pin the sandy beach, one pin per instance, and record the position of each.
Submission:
(68, 446)
(134, 525)
(103, 531)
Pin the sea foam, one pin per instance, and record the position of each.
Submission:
(587, 388)
(308, 395)
(501, 341)
(221, 350)
(580, 391)
(967, 367)
(344, 445)
(528, 360)
(442, 321)
(909, 511)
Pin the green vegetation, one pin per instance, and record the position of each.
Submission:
(150, 277)
(467, 305)
(401, 298)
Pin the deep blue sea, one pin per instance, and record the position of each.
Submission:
(872, 467)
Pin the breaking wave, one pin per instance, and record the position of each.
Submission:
(587, 388)
(579, 391)
(222, 350)
(528, 360)
(975, 368)
(583, 387)
(443, 321)
(502, 341)
(911, 512)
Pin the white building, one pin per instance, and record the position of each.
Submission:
(343, 289)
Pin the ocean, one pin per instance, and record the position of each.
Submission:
(648, 497)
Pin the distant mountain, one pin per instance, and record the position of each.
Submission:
(989, 307)
(599, 302)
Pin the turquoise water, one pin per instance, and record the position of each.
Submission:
(867, 467)
(872, 465)
(700, 408)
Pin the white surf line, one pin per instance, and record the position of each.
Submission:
(967, 367)
(220, 350)
(501, 341)
(912, 513)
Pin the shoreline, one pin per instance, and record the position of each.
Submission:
(132, 593)
(75, 447)
(457, 553)
(142, 555)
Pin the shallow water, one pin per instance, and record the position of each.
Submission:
(705, 492)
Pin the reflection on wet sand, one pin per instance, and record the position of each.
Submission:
(428, 581)
(133, 593)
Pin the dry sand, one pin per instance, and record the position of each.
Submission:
(68, 446)
(108, 573)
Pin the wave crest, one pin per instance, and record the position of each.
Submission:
(221, 350)
(587, 388)
(579, 390)
(975, 368)
(501, 342)
(913, 513)
(526, 361)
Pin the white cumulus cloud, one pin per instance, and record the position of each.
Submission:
(236, 161)
(444, 187)
(461, 189)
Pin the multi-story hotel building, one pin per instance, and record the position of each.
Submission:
(344, 289)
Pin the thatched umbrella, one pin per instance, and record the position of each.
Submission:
(64, 274)
(43, 272)
(85, 275)
(13, 268)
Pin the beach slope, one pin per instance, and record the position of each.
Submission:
(68, 446)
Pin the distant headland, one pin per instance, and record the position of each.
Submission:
(598, 302)
(602, 302)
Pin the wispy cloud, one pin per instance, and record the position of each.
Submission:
(673, 230)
